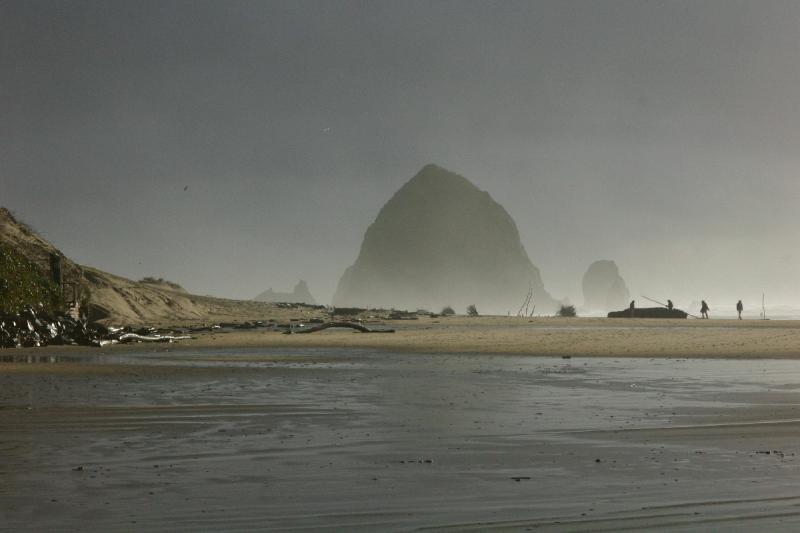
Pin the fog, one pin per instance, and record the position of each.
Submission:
(236, 146)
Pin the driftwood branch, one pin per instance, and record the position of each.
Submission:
(353, 325)
(525, 304)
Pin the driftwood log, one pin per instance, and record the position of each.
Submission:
(353, 325)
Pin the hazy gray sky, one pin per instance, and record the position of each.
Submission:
(663, 135)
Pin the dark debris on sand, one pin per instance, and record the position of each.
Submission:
(34, 328)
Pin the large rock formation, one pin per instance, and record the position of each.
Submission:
(603, 287)
(300, 295)
(442, 241)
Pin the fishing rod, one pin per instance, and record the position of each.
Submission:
(655, 301)
(665, 305)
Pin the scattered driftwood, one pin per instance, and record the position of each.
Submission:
(528, 301)
(648, 312)
(354, 325)
(135, 337)
(404, 315)
(33, 327)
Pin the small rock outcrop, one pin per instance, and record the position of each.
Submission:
(603, 287)
(300, 295)
(441, 241)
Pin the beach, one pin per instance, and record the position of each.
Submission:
(447, 424)
(582, 337)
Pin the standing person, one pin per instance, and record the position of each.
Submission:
(669, 305)
(704, 308)
(632, 306)
(739, 308)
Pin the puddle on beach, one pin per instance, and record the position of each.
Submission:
(641, 374)
(40, 359)
(221, 358)
(357, 439)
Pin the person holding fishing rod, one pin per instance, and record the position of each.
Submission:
(669, 305)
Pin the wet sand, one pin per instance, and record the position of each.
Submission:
(237, 438)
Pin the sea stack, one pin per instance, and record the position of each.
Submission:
(442, 241)
(603, 287)
(300, 295)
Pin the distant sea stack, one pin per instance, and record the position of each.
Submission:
(604, 288)
(442, 241)
(300, 295)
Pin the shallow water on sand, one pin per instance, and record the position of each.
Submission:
(348, 440)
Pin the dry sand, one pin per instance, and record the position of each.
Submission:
(425, 428)
(574, 337)
(582, 337)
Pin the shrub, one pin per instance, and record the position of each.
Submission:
(566, 310)
(23, 284)
(447, 311)
(161, 281)
(472, 310)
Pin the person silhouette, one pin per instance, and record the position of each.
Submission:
(632, 306)
(739, 308)
(704, 308)
(669, 305)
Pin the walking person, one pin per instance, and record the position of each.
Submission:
(704, 308)
(739, 308)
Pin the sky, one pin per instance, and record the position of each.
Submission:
(239, 145)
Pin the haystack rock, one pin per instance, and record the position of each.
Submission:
(300, 295)
(442, 241)
(604, 288)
